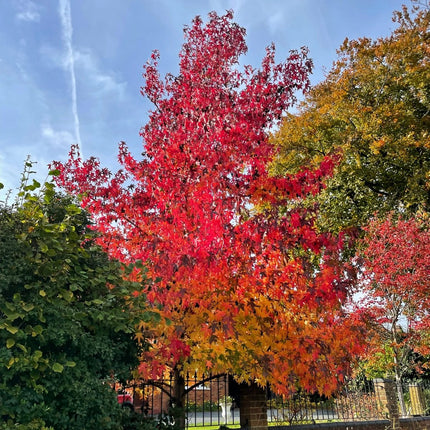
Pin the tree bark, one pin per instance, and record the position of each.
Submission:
(178, 400)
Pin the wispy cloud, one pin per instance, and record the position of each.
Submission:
(67, 33)
(28, 11)
(102, 83)
(59, 138)
(98, 82)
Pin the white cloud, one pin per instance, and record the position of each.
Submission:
(53, 57)
(85, 63)
(100, 82)
(28, 11)
(60, 138)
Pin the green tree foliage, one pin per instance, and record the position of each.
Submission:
(66, 317)
(372, 114)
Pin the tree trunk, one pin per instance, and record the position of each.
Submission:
(403, 410)
(178, 400)
(398, 379)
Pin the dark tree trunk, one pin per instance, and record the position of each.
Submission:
(178, 400)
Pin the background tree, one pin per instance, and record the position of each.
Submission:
(396, 277)
(66, 322)
(372, 112)
(242, 286)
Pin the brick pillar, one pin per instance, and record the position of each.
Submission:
(386, 394)
(417, 399)
(253, 407)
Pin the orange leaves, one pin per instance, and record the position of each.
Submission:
(139, 337)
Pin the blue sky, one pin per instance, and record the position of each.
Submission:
(71, 70)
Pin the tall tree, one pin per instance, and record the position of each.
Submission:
(242, 285)
(373, 112)
(66, 322)
(395, 263)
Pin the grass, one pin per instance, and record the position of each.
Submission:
(216, 427)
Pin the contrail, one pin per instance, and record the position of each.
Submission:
(67, 31)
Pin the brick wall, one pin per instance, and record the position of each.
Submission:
(416, 423)
(253, 407)
(353, 425)
(211, 391)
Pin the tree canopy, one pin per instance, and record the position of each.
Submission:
(372, 114)
(241, 284)
(395, 277)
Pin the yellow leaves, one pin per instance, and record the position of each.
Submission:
(373, 110)
(296, 140)
(376, 146)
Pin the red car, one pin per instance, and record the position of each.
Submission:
(125, 399)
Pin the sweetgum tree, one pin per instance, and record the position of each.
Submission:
(242, 284)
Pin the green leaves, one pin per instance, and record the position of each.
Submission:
(10, 342)
(9, 328)
(37, 355)
(66, 320)
(371, 115)
(57, 367)
(27, 307)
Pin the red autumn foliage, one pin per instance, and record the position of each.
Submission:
(242, 284)
(396, 283)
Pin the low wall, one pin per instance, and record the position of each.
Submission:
(356, 425)
(415, 423)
